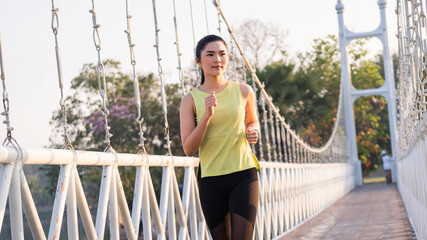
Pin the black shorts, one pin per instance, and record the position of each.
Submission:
(232, 193)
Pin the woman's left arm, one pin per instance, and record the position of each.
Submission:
(251, 118)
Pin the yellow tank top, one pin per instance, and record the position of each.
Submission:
(225, 148)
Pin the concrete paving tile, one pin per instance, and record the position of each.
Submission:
(369, 237)
(372, 211)
(342, 236)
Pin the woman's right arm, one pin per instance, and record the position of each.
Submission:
(192, 135)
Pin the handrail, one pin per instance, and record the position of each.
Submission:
(290, 193)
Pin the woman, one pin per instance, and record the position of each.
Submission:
(219, 119)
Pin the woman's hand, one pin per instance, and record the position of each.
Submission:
(251, 118)
(192, 134)
(210, 104)
(252, 135)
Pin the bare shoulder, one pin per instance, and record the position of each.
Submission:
(187, 101)
(246, 90)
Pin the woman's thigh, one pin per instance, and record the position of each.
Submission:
(243, 200)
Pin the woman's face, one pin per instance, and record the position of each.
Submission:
(214, 58)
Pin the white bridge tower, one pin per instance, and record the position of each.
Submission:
(350, 93)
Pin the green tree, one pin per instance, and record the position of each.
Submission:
(87, 122)
(307, 95)
(85, 116)
(371, 117)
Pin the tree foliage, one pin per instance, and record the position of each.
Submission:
(307, 94)
(87, 129)
(87, 121)
(371, 115)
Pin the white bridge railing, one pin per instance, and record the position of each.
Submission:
(412, 182)
(290, 194)
(412, 107)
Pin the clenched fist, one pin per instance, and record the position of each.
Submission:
(252, 135)
(210, 104)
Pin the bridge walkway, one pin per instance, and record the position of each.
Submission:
(371, 211)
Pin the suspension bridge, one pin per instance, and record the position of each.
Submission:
(297, 181)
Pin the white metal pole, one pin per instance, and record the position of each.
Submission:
(158, 223)
(164, 197)
(84, 209)
(72, 222)
(182, 219)
(113, 209)
(146, 217)
(192, 208)
(390, 86)
(347, 97)
(186, 200)
(59, 203)
(104, 192)
(30, 209)
(137, 198)
(281, 199)
(6, 176)
(15, 206)
(286, 179)
(171, 207)
(124, 210)
(198, 208)
(63, 157)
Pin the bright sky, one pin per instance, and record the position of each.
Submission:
(29, 55)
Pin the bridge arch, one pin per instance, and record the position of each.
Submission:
(351, 93)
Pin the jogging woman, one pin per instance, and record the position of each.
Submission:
(219, 119)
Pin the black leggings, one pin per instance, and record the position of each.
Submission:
(229, 203)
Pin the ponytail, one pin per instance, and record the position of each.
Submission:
(202, 76)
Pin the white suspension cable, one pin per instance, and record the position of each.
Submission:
(273, 133)
(100, 71)
(9, 140)
(279, 139)
(141, 170)
(265, 125)
(206, 17)
(137, 97)
(245, 80)
(162, 87)
(216, 3)
(233, 59)
(10, 174)
(261, 155)
(294, 159)
(108, 172)
(283, 137)
(194, 44)
(178, 52)
(55, 29)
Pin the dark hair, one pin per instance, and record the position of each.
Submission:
(202, 44)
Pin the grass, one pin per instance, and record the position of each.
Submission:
(373, 180)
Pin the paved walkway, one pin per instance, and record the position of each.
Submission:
(371, 211)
